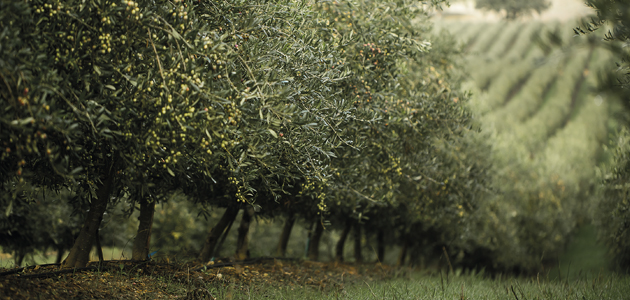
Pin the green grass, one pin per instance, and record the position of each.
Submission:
(419, 286)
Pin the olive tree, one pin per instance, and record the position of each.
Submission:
(112, 95)
(412, 121)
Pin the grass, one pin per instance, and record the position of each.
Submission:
(471, 287)
(422, 286)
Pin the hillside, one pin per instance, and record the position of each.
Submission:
(539, 108)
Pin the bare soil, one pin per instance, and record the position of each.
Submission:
(155, 280)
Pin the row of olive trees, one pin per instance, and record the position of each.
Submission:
(333, 111)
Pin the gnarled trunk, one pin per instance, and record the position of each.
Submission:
(358, 257)
(284, 236)
(342, 241)
(79, 255)
(242, 243)
(140, 249)
(215, 233)
(313, 247)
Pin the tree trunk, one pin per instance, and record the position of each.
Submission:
(309, 235)
(358, 257)
(242, 243)
(97, 243)
(380, 246)
(215, 233)
(403, 254)
(79, 255)
(217, 250)
(284, 236)
(140, 249)
(19, 257)
(313, 247)
(60, 253)
(342, 241)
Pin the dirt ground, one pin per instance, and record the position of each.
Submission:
(159, 280)
(560, 10)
